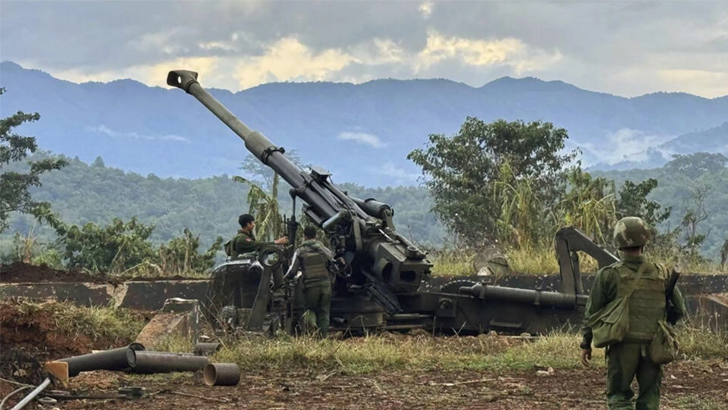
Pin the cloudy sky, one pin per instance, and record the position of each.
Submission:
(620, 47)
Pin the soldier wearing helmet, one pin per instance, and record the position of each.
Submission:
(644, 285)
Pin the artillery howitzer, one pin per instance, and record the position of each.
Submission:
(383, 283)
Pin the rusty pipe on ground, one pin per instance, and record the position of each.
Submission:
(221, 374)
(114, 359)
(205, 349)
(160, 362)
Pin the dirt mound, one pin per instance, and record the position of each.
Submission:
(24, 272)
(32, 330)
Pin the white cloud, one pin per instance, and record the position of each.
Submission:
(102, 129)
(481, 53)
(426, 9)
(398, 175)
(362, 138)
(627, 144)
(379, 51)
(289, 59)
(154, 74)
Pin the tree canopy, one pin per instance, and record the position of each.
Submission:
(15, 184)
(463, 172)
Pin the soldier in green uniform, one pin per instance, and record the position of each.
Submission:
(646, 289)
(312, 259)
(245, 242)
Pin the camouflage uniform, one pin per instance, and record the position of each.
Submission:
(647, 305)
(312, 259)
(245, 242)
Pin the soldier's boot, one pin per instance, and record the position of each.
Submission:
(649, 377)
(622, 362)
(323, 313)
(309, 322)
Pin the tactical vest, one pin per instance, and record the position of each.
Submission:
(230, 248)
(647, 303)
(313, 263)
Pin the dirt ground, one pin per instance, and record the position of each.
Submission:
(20, 272)
(23, 272)
(701, 385)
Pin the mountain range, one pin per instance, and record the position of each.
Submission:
(362, 133)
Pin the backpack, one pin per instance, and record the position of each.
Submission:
(610, 323)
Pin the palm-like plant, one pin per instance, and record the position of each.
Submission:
(265, 208)
(590, 205)
(520, 223)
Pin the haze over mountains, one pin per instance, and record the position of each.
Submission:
(361, 133)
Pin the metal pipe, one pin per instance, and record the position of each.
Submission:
(204, 349)
(158, 362)
(255, 142)
(535, 297)
(32, 395)
(221, 374)
(114, 359)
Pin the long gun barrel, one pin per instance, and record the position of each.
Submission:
(361, 231)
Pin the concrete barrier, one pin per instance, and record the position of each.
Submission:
(142, 295)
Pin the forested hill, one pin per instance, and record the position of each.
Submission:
(680, 183)
(209, 207)
(362, 133)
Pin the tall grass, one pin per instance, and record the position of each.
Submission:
(541, 260)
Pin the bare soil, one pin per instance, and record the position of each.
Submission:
(697, 385)
(20, 272)
(35, 334)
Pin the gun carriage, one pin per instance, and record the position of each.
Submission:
(384, 281)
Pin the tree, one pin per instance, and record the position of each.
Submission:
(261, 174)
(633, 202)
(695, 213)
(264, 208)
(181, 255)
(14, 195)
(461, 171)
(113, 248)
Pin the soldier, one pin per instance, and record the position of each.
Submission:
(645, 288)
(313, 259)
(244, 241)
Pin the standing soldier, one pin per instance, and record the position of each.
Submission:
(642, 290)
(312, 258)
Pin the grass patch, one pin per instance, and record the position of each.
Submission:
(113, 325)
(538, 261)
(453, 263)
(693, 402)
(699, 343)
(388, 352)
(400, 352)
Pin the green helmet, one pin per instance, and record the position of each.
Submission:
(630, 232)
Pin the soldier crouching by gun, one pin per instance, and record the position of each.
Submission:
(245, 242)
(311, 264)
(631, 306)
